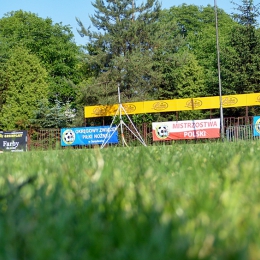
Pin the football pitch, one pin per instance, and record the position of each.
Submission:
(195, 201)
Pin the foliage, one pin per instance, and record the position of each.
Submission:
(241, 60)
(148, 52)
(183, 77)
(147, 66)
(4, 55)
(248, 13)
(198, 27)
(173, 202)
(171, 59)
(190, 19)
(57, 116)
(24, 84)
(123, 54)
(52, 43)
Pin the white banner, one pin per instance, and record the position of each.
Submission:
(191, 129)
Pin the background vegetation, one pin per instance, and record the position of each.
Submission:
(150, 53)
(182, 202)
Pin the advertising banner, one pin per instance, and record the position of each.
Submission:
(13, 141)
(256, 125)
(172, 105)
(156, 106)
(253, 99)
(191, 129)
(88, 135)
(111, 110)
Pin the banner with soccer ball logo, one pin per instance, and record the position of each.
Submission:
(191, 129)
(256, 124)
(88, 135)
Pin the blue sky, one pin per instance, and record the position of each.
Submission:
(66, 11)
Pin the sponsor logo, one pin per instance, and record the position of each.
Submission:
(162, 131)
(160, 106)
(257, 126)
(99, 111)
(129, 108)
(229, 101)
(10, 145)
(68, 136)
(194, 103)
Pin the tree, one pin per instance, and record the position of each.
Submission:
(123, 54)
(24, 84)
(242, 56)
(248, 13)
(181, 75)
(197, 25)
(51, 43)
(189, 18)
(4, 55)
(53, 116)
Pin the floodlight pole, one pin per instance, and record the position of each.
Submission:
(222, 134)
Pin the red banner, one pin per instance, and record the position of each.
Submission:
(192, 129)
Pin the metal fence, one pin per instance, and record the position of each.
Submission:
(236, 128)
(241, 132)
(237, 121)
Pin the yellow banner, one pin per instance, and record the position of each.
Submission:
(157, 106)
(253, 99)
(172, 105)
(133, 108)
(234, 101)
(110, 110)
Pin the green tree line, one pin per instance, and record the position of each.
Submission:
(150, 53)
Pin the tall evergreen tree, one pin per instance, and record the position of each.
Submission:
(248, 13)
(123, 53)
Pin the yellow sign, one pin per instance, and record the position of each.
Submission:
(156, 106)
(253, 99)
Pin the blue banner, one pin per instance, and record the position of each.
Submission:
(256, 125)
(88, 135)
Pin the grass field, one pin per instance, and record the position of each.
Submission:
(196, 201)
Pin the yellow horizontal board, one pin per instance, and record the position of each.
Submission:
(110, 110)
(234, 101)
(186, 104)
(100, 111)
(210, 103)
(172, 105)
(133, 108)
(156, 106)
(253, 99)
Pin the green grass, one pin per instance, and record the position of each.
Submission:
(196, 201)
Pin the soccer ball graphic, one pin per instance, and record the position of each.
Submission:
(162, 131)
(68, 136)
(257, 126)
